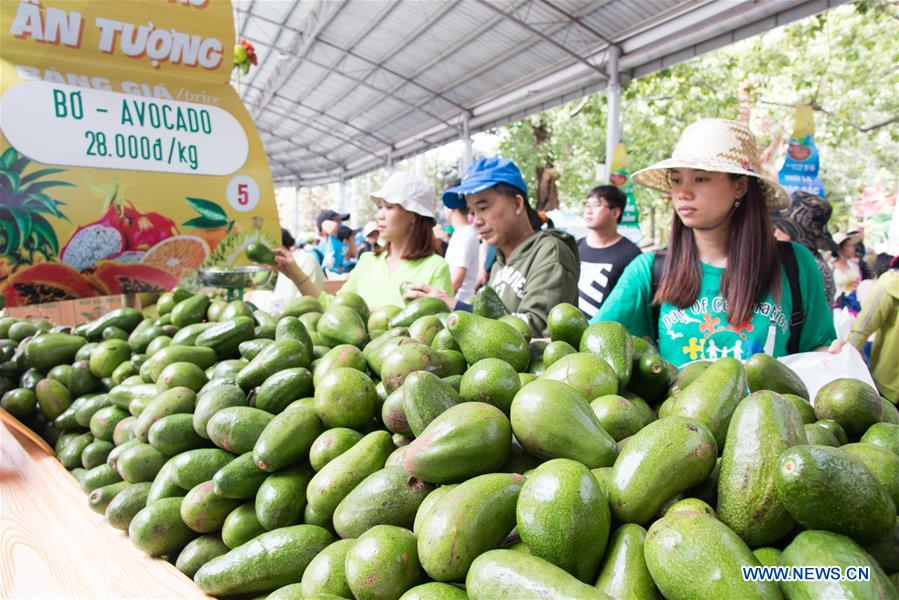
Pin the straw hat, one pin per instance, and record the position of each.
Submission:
(717, 145)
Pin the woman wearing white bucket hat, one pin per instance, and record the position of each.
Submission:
(405, 221)
(722, 288)
(847, 272)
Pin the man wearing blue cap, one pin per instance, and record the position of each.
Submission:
(535, 269)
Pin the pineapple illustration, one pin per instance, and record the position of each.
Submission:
(26, 236)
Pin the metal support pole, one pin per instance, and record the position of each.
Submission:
(296, 211)
(421, 166)
(613, 119)
(341, 195)
(390, 160)
(466, 143)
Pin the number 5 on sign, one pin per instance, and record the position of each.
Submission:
(243, 193)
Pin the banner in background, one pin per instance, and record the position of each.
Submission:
(127, 161)
(621, 178)
(801, 166)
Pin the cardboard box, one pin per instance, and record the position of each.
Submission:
(73, 312)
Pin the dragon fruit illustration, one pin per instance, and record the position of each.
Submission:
(145, 230)
(112, 218)
(129, 257)
(91, 243)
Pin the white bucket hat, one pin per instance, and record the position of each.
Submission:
(412, 193)
(854, 237)
(369, 228)
(717, 145)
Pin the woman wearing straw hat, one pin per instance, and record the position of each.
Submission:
(405, 221)
(722, 287)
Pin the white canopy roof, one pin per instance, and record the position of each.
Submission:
(345, 86)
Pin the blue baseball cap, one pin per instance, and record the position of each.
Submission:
(482, 174)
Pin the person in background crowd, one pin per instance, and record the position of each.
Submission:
(880, 317)
(724, 288)
(350, 252)
(866, 286)
(405, 221)
(285, 290)
(369, 238)
(346, 237)
(486, 258)
(545, 221)
(604, 252)
(442, 235)
(882, 264)
(805, 222)
(535, 269)
(847, 273)
(462, 252)
(865, 259)
(327, 223)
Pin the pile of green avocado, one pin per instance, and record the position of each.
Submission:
(335, 452)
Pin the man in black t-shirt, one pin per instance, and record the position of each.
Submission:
(603, 253)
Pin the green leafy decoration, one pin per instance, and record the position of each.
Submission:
(23, 220)
(11, 231)
(23, 201)
(12, 180)
(8, 158)
(208, 209)
(45, 233)
(47, 205)
(203, 223)
(43, 185)
(38, 174)
(19, 165)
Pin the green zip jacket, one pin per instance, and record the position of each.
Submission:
(880, 314)
(539, 274)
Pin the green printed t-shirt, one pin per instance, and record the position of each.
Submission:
(701, 331)
(378, 287)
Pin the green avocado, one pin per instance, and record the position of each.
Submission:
(763, 426)
(698, 556)
(828, 488)
(563, 517)
(667, 456)
(550, 419)
(512, 574)
(470, 519)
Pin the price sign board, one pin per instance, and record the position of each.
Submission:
(127, 161)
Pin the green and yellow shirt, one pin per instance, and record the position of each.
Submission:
(701, 331)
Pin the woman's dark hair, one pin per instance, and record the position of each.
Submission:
(424, 244)
(882, 264)
(287, 240)
(510, 191)
(613, 196)
(753, 264)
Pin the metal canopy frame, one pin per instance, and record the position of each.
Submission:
(345, 87)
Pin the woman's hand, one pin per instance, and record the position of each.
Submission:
(836, 346)
(419, 290)
(285, 263)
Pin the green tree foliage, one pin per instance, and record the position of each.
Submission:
(842, 62)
